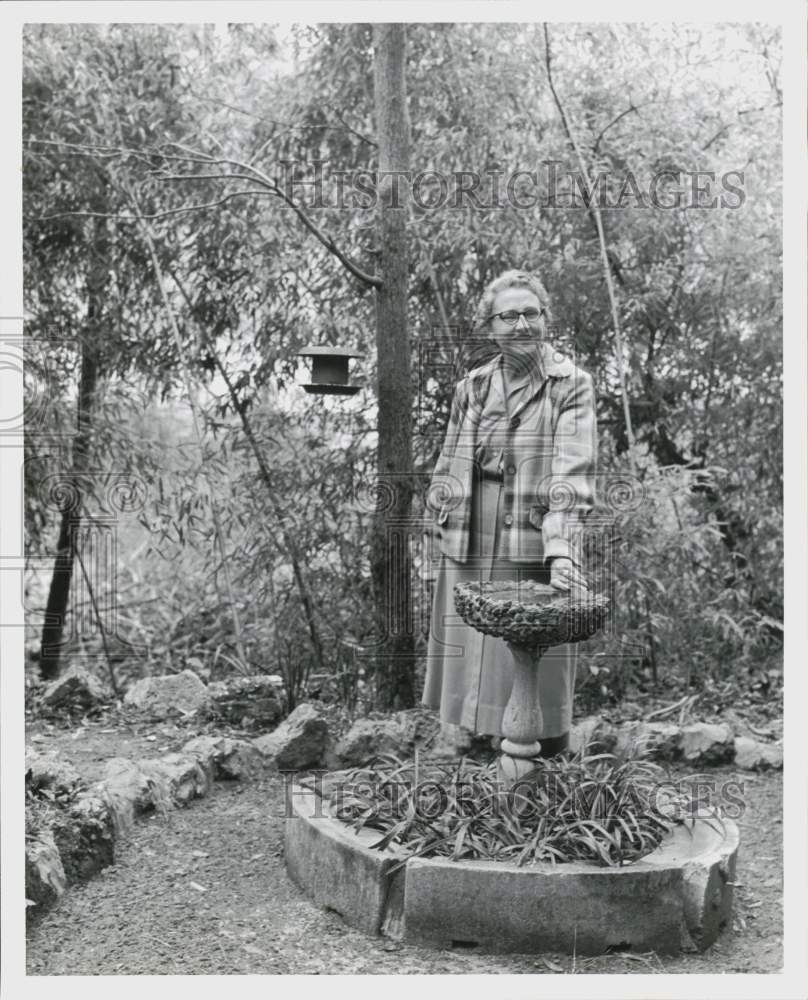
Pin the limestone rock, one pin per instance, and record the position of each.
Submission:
(660, 740)
(76, 688)
(583, 732)
(181, 776)
(368, 738)
(129, 790)
(599, 735)
(85, 837)
(49, 776)
(246, 701)
(163, 696)
(452, 742)
(44, 875)
(322, 687)
(298, 743)
(228, 758)
(665, 739)
(752, 755)
(704, 743)
(421, 725)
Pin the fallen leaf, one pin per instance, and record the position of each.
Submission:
(256, 857)
(199, 854)
(152, 739)
(198, 887)
(252, 949)
(552, 966)
(39, 738)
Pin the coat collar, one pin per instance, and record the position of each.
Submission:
(554, 363)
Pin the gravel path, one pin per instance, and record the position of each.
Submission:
(204, 891)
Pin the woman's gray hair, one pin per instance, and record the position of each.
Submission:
(510, 279)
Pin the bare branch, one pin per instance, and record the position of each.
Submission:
(135, 218)
(312, 227)
(614, 121)
(289, 126)
(743, 111)
(202, 177)
(353, 131)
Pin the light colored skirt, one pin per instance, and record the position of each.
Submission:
(469, 675)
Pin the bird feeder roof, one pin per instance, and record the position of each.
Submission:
(315, 351)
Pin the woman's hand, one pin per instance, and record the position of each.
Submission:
(565, 575)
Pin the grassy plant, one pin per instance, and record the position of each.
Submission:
(589, 807)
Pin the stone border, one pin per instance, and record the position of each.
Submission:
(697, 744)
(88, 822)
(678, 898)
(81, 840)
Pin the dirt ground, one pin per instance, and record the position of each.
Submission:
(203, 890)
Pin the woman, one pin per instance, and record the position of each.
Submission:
(514, 478)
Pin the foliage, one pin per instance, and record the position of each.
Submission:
(588, 807)
(112, 112)
(680, 610)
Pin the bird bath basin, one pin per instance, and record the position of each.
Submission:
(530, 617)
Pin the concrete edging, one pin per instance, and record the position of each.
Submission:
(678, 898)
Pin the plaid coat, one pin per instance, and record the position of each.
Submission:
(549, 456)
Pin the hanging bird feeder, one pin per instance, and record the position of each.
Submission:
(329, 370)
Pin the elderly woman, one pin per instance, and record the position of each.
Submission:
(514, 477)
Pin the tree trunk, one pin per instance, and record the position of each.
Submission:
(390, 557)
(59, 593)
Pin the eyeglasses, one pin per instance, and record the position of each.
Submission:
(511, 316)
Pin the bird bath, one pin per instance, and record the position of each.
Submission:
(530, 617)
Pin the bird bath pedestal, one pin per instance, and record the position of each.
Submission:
(530, 617)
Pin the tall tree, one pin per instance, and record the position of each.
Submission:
(391, 560)
(89, 342)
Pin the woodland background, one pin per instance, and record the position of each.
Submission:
(166, 352)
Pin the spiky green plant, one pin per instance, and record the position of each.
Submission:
(588, 807)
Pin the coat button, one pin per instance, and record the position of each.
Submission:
(507, 520)
(511, 470)
(515, 422)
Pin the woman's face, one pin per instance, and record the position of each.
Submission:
(517, 335)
